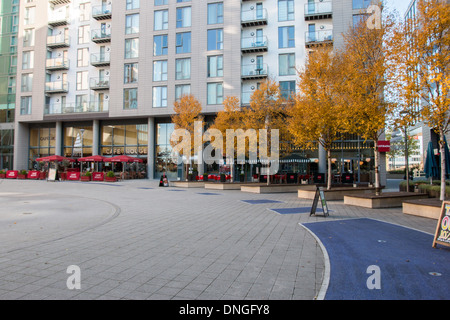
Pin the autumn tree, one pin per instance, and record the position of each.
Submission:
(267, 111)
(316, 114)
(421, 51)
(187, 111)
(363, 91)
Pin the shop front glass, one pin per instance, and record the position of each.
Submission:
(163, 160)
(42, 144)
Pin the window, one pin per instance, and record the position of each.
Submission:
(25, 105)
(85, 10)
(83, 34)
(215, 39)
(160, 45)
(183, 0)
(183, 42)
(286, 37)
(215, 93)
(181, 90)
(286, 64)
(130, 98)
(27, 82)
(83, 57)
(183, 69)
(361, 4)
(159, 97)
(132, 23)
(29, 15)
(28, 37)
(358, 19)
(160, 70)
(82, 80)
(161, 2)
(132, 4)
(183, 17)
(161, 20)
(131, 48)
(215, 13)
(285, 10)
(215, 66)
(81, 102)
(130, 73)
(28, 60)
(287, 88)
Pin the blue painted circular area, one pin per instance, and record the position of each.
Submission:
(406, 264)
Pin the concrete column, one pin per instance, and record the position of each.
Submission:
(21, 143)
(151, 148)
(58, 138)
(95, 138)
(322, 159)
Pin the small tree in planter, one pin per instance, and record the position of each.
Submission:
(205, 177)
(86, 176)
(110, 177)
(2, 174)
(22, 174)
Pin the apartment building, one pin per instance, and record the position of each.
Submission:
(101, 76)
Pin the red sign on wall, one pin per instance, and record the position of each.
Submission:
(384, 146)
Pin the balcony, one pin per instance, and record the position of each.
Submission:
(56, 2)
(57, 64)
(57, 19)
(56, 87)
(318, 10)
(316, 38)
(254, 71)
(101, 35)
(76, 108)
(98, 84)
(254, 44)
(252, 18)
(100, 59)
(103, 12)
(58, 41)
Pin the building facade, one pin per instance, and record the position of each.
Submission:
(101, 76)
(9, 25)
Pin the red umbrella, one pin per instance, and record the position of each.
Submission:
(92, 159)
(54, 158)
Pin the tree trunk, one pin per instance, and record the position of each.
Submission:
(377, 169)
(442, 151)
(329, 169)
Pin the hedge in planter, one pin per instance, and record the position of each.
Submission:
(110, 177)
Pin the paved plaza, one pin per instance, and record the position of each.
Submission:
(135, 240)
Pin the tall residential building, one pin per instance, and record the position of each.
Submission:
(101, 76)
(9, 25)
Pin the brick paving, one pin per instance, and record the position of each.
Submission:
(134, 240)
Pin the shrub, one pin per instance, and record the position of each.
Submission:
(110, 174)
(87, 174)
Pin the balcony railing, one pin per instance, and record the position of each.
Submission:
(255, 17)
(57, 87)
(58, 41)
(100, 59)
(55, 2)
(254, 71)
(254, 44)
(59, 18)
(99, 84)
(57, 64)
(318, 37)
(71, 108)
(318, 10)
(101, 35)
(102, 12)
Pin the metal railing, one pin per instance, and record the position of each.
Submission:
(253, 42)
(318, 8)
(70, 108)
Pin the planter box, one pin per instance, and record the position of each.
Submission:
(385, 200)
(42, 175)
(110, 179)
(3, 176)
(21, 176)
(85, 178)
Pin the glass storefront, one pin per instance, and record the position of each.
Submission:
(129, 139)
(6, 149)
(78, 141)
(42, 144)
(163, 160)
